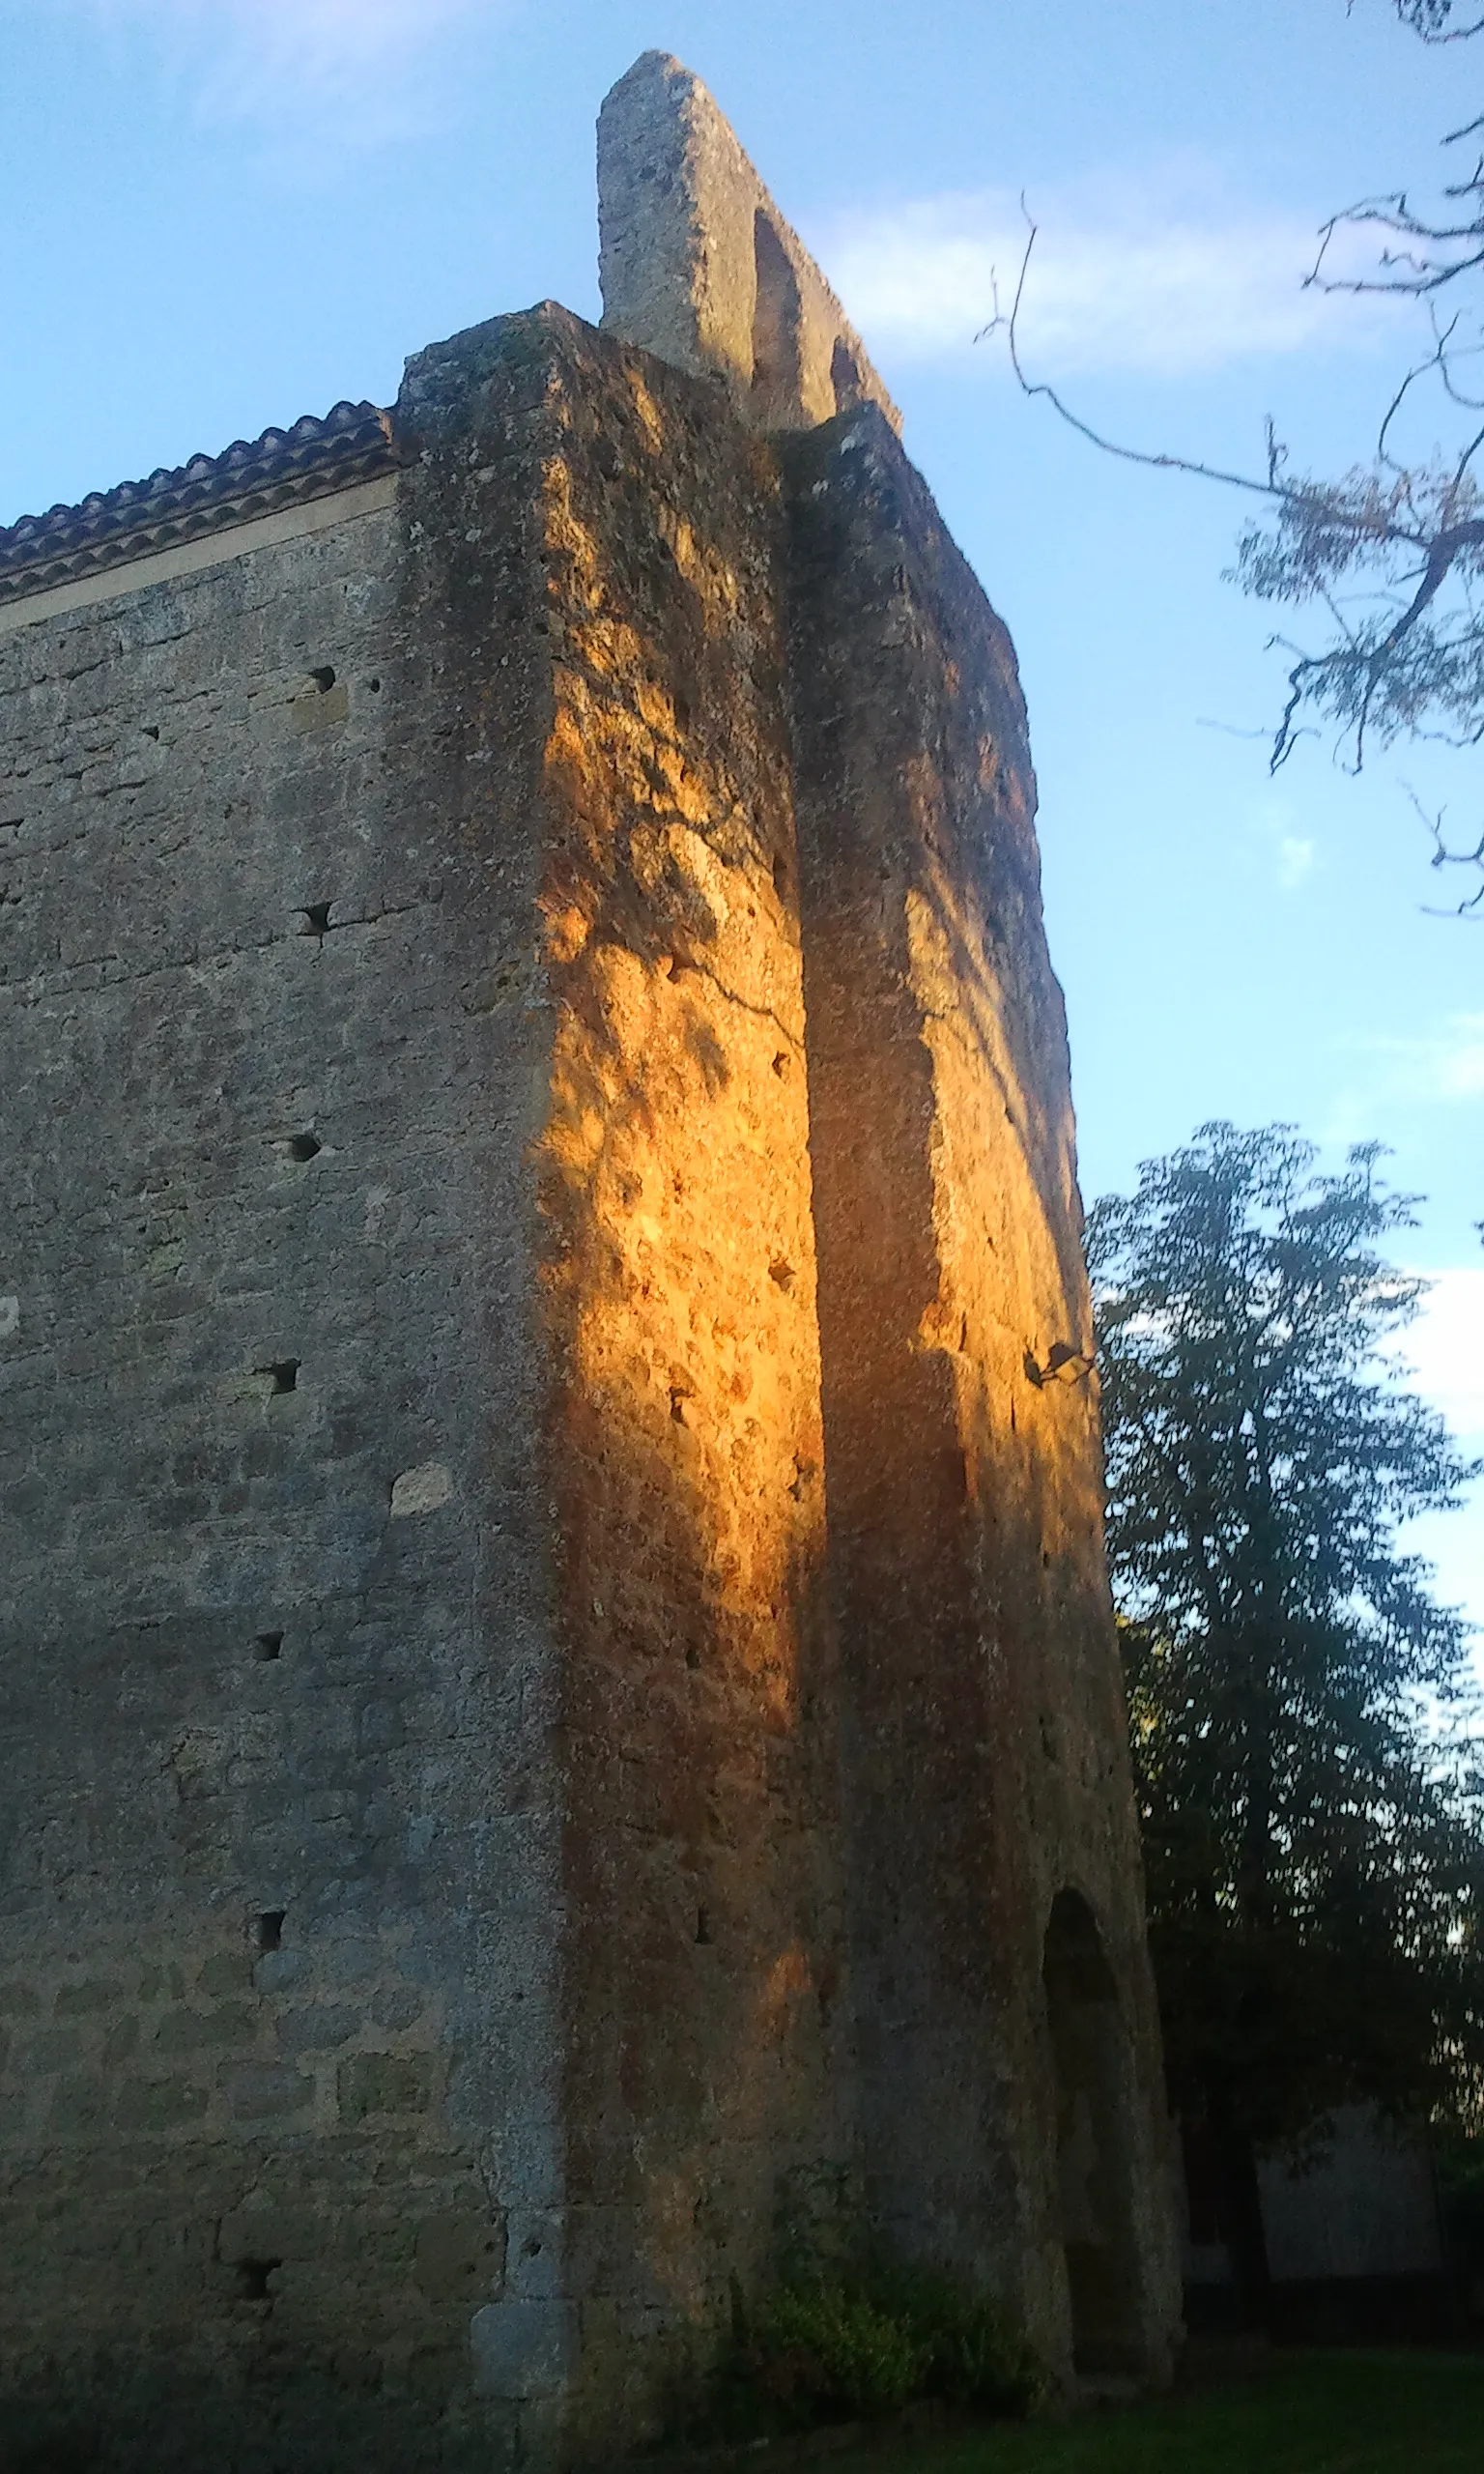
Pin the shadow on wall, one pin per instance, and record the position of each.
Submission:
(778, 366)
(1094, 2165)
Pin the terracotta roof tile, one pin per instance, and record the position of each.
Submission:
(252, 478)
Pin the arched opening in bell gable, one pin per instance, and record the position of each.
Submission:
(778, 372)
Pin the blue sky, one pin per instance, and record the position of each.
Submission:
(219, 214)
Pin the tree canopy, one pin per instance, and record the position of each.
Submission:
(1298, 1701)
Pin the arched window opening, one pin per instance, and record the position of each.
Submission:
(1094, 2163)
(847, 376)
(778, 376)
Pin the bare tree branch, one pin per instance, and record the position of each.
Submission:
(1430, 19)
(1473, 906)
(1008, 325)
(1424, 527)
(1298, 493)
(1393, 552)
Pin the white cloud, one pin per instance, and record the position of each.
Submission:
(1442, 1352)
(321, 37)
(1458, 1064)
(1441, 1356)
(1453, 1544)
(277, 59)
(1444, 1065)
(1290, 854)
(1166, 275)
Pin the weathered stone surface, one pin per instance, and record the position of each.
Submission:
(562, 1707)
(984, 1759)
(698, 266)
(173, 1018)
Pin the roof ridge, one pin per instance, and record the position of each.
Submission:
(318, 453)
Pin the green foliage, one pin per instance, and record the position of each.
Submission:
(834, 2354)
(971, 2355)
(1316, 1879)
(1338, 2412)
(844, 2348)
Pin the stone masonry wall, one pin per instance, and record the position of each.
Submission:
(682, 1476)
(561, 1656)
(984, 1747)
(280, 1872)
(688, 1454)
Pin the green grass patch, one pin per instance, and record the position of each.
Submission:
(1303, 2413)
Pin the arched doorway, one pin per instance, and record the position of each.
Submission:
(1094, 2165)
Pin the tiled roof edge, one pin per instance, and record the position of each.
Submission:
(254, 476)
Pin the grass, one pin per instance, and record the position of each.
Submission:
(1305, 2413)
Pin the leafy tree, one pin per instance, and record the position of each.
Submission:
(1390, 553)
(1298, 1700)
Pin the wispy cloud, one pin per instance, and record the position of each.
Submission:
(1442, 1352)
(1392, 1074)
(280, 59)
(1295, 861)
(1290, 855)
(1168, 275)
(1441, 1356)
(1445, 1065)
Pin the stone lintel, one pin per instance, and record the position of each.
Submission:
(698, 267)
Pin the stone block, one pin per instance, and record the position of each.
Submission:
(260, 2089)
(524, 2350)
(120, 2040)
(15, 2111)
(225, 1971)
(52, 2049)
(456, 2254)
(318, 2029)
(423, 1489)
(77, 2001)
(78, 2104)
(370, 2083)
(231, 2022)
(158, 2103)
(400, 2005)
(277, 1970)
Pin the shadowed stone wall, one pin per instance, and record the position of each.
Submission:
(558, 1656)
(281, 1835)
(984, 1747)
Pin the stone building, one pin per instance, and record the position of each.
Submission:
(561, 1711)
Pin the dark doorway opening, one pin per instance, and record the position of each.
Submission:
(1095, 2163)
